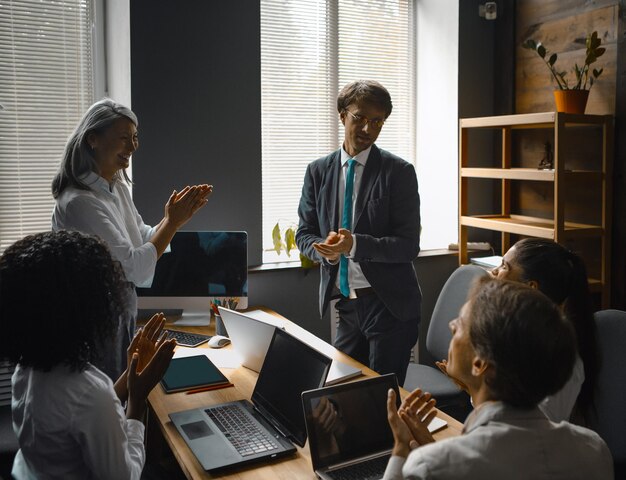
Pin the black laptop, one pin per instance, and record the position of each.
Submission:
(237, 433)
(357, 443)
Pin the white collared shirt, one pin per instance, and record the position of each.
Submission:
(356, 279)
(71, 425)
(109, 212)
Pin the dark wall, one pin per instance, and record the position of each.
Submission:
(195, 80)
(196, 89)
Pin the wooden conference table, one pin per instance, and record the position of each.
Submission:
(293, 467)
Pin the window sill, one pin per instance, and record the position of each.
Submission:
(295, 263)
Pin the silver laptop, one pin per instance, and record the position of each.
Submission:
(238, 433)
(358, 443)
(251, 338)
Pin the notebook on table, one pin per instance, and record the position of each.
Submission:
(358, 443)
(237, 433)
(188, 373)
(251, 338)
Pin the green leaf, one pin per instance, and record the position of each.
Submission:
(290, 240)
(541, 50)
(597, 73)
(599, 52)
(530, 44)
(278, 243)
(552, 59)
(306, 262)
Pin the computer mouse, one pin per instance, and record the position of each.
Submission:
(218, 341)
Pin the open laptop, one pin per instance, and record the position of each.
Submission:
(237, 433)
(359, 443)
(251, 338)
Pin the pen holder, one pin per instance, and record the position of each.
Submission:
(220, 329)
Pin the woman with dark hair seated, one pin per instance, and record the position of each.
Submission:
(60, 295)
(511, 347)
(561, 275)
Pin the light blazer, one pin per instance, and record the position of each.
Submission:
(386, 227)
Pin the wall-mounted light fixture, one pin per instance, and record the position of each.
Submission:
(489, 11)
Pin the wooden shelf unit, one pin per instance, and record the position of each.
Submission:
(508, 169)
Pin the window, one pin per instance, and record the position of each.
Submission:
(309, 50)
(46, 84)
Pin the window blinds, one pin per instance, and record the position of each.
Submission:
(46, 84)
(309, 50)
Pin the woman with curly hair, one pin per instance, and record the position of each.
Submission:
(60, 295)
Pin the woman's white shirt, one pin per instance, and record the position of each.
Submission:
(107, 210)
(558, 407)
(71, 425)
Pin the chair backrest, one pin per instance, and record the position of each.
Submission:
(452, 297)
(608, 414)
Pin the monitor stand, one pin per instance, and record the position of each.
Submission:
(193, 319)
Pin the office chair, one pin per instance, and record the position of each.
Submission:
(452, 297)
(607, 415)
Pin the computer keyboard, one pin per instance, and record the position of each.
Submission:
(242, 432)
(370, 469)
(187, 339)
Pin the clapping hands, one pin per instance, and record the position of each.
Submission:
(182, 205)
(409, 423)
(149, 356)
(336, 244)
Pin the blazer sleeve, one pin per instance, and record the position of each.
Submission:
(309, 226)
(394, 236)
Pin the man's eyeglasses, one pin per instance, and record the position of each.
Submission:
(361, 121)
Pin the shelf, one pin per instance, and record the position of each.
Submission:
(595, 285)
(524, 174)
(532, 120)
(532, 226)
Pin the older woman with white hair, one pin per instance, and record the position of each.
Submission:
(92, 197)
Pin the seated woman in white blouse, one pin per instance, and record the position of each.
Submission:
(59, 293)
(92, 197)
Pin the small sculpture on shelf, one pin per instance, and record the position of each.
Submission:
(547, 162)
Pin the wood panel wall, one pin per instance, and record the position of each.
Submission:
(562, 26)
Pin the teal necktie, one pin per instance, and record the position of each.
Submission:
(346, 222)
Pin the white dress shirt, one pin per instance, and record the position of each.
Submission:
(71, 425)
(109, 212)
(356, 279)
(558, 407)
(501, 442)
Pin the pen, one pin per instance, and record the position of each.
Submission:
(208, 389)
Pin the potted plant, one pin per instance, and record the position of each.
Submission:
(287, 242)
(572, 98)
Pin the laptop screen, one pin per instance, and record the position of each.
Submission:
(358, 424)
(290, 367)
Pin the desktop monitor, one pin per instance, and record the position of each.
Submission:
(201, 267)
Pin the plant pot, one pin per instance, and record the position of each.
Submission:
(571, 101)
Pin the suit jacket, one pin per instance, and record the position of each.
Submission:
(386, 227)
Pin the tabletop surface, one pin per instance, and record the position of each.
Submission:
(297, 466)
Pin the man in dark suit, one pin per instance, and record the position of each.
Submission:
(360, 218)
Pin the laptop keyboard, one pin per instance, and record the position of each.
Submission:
(369, 470)
(242, 432)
